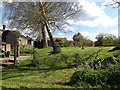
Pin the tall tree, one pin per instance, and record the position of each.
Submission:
(78, 37)
(105, 39)
(117, 42)
(34, 15)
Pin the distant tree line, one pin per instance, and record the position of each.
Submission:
(79, 40)
(107, 40)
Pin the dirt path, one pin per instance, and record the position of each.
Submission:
(10, 60)
(18, 58)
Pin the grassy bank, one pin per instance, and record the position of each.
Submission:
(46, 74)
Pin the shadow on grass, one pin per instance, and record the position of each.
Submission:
(15, 71)
(32, 67)
(65, 83)
(114, 49)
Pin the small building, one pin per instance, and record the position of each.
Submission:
(11, 38)
(8, 39)
(25, 41)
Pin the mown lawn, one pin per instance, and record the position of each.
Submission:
(14, 78)
(24, 75)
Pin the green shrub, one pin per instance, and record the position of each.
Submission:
(106, 77)
(59, 42)
(103, 63)
(37, 60)
(117, 55)
(57, 50)
(26, 51)
(68, 44)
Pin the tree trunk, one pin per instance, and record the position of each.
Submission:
(45, 44)
(47, 27)
(51, 39)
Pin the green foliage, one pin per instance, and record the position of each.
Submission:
(117, 42)
(68, 44)
(105, 40)
(106, 77)
(59, 42)
(117, 56)
(78, 37)
(79, 40)
(37, 60)
(76, 43)
(57, 50)
(103, 63)
(103, 71)
(24, 51)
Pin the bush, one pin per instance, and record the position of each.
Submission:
(26, 51)
(108, 77)
(37, 60)
(103, 63)
(76, 43)
(59, 43)
(57, 50)
(68, 44)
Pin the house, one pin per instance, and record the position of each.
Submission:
(7, 40)
(25, 41)
(11, 38)
(57, 38)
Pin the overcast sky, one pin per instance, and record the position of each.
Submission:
(93, 19)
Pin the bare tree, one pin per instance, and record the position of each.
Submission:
(113, 3)
(40, 16)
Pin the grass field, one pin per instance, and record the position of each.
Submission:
(24, 75)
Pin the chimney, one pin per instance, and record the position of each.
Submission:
(4, 28)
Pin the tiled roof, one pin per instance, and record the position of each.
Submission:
(57, 38)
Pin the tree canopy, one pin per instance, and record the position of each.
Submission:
(105, 39)
(29, 15)
(78, 37)
(81, 40)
